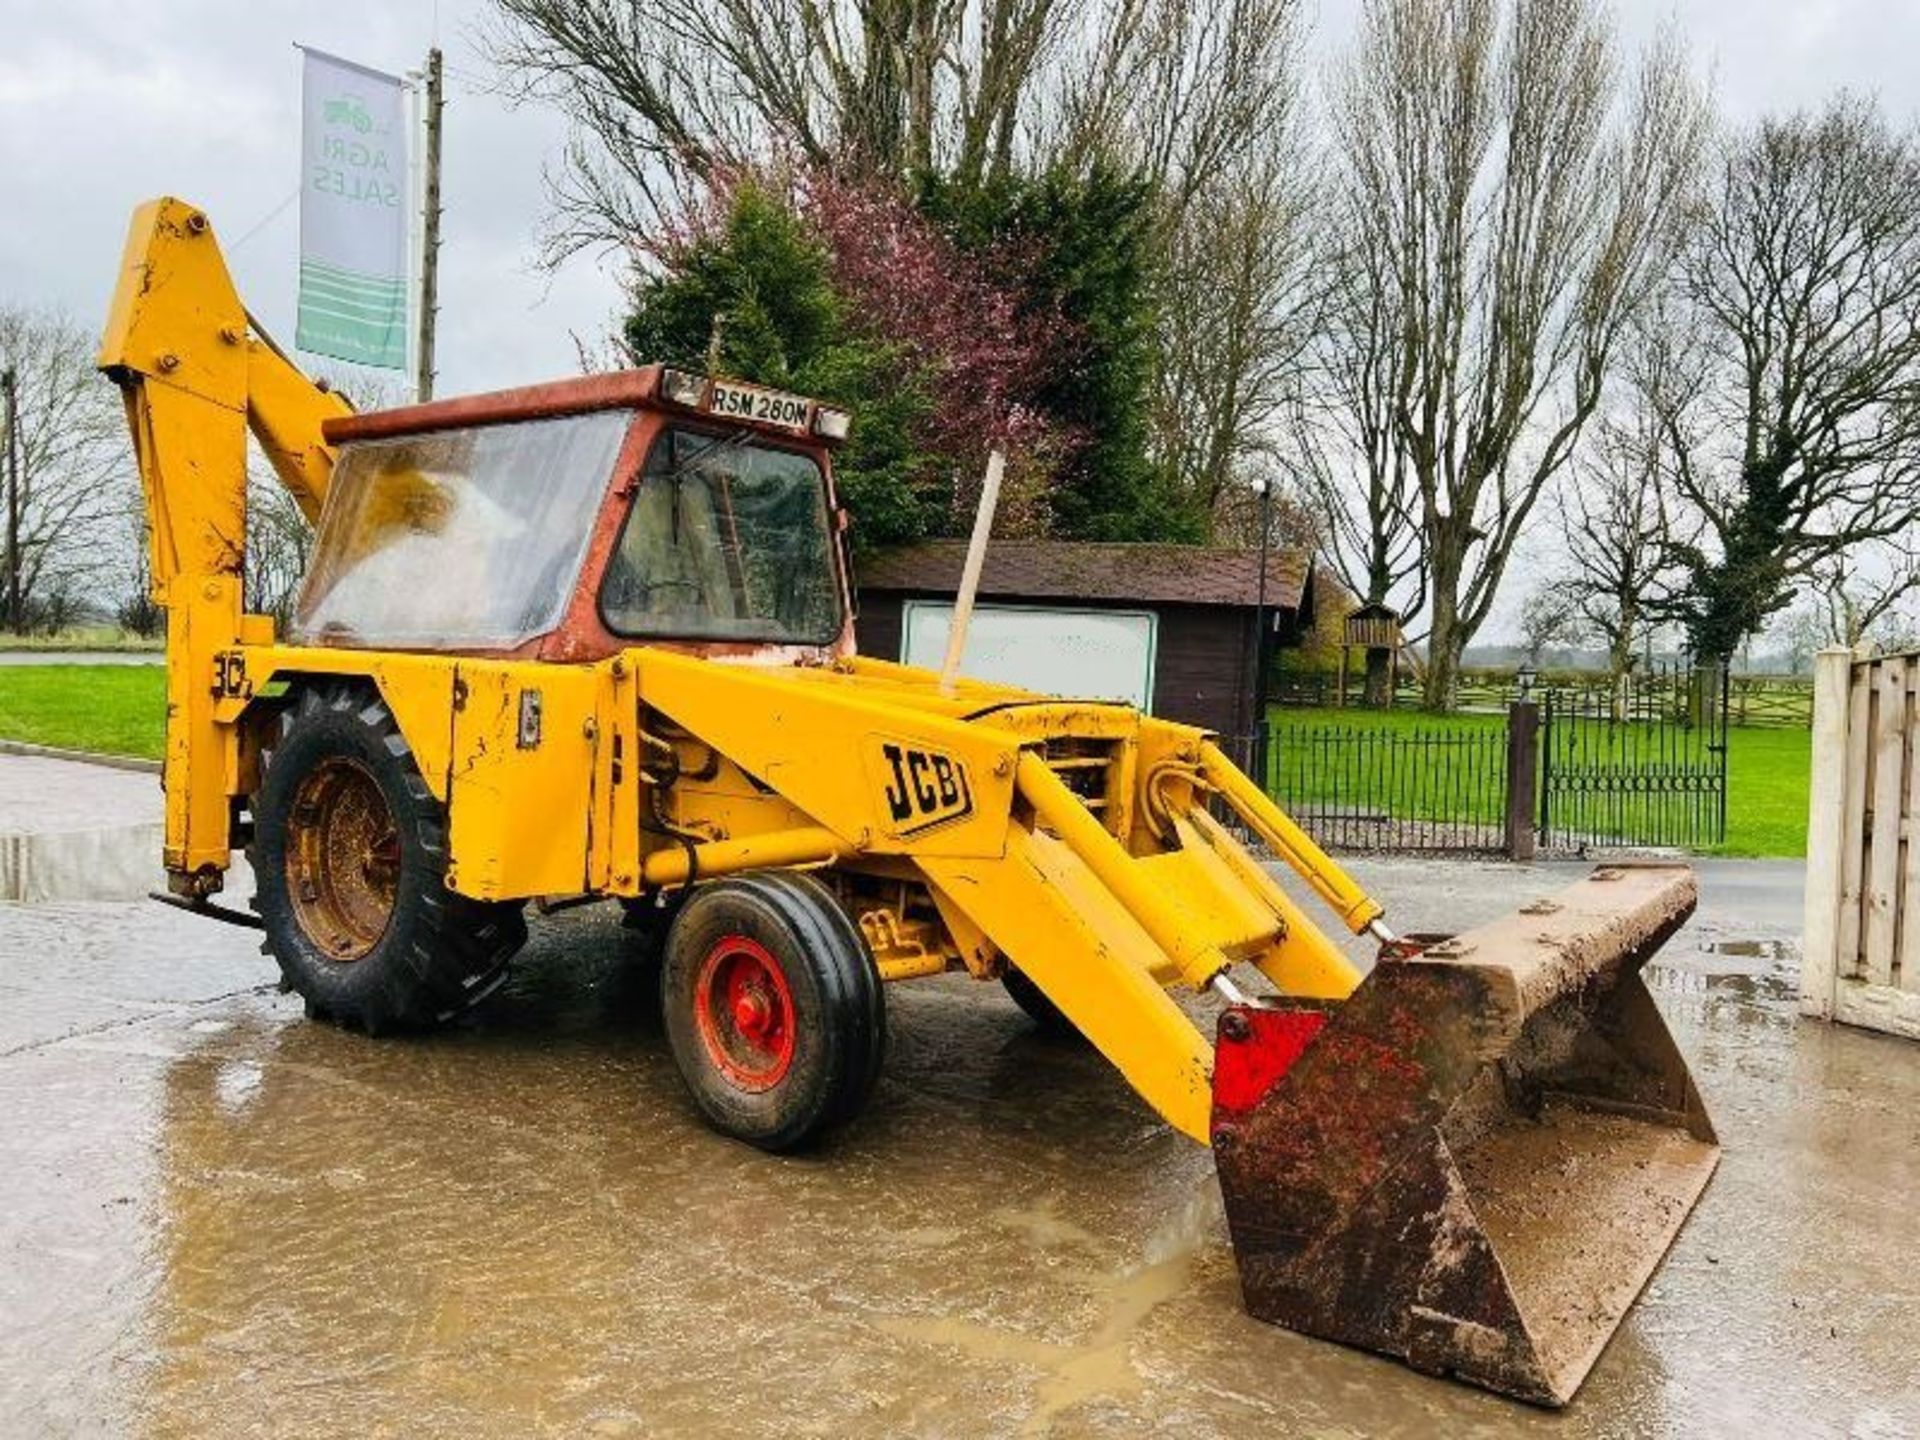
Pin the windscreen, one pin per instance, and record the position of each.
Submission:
(726, 540)
(461, 539)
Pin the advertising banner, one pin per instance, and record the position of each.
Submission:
(353, 214)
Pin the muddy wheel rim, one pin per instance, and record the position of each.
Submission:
(343, 859)
(744, 1011)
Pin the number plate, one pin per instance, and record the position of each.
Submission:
(769, 407)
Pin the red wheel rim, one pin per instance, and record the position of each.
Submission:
(744, 1011)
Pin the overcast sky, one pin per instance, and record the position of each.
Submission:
(103, 103)
(106, 102)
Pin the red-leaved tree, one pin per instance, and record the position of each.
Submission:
(967, 335)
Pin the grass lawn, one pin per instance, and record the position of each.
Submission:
(1767, 774)
(118, 709)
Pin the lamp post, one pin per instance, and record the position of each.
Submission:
(1259, 746)
(10, 384)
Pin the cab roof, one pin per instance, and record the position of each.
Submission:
(650, 387)
(618, 389)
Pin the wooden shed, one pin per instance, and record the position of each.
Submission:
(1170, 627)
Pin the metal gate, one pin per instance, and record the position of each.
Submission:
(1640, 762)
(1440, 786)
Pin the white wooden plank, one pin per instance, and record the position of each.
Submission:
(1826, 810)
(1907, 954)
(1888, 796)
(1878, 1007)
(1853, 823)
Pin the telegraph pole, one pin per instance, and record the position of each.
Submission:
(430, 230)
(10, 383)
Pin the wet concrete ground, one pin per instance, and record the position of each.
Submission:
(71, 831)
(219, 1219)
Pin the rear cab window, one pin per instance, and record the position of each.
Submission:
(459, 539)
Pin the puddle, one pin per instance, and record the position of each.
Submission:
(1099, 1368)
(1752, 949)
(1726, 970)
(1773, 988)
(230, 1219)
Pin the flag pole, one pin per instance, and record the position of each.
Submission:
(430, 231)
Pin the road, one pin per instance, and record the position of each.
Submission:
(82, 657)
(217, 1218)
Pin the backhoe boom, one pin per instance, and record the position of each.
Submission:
(195, 374)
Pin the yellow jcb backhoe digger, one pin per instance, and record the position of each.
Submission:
(592, 639)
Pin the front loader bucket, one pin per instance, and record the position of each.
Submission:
(1476, 1161)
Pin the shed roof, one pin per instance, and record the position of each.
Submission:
(1079, 570)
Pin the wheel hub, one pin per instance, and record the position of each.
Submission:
(744, 1011)
(753, 1014)
(343, 859)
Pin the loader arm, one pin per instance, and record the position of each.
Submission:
(195, 375)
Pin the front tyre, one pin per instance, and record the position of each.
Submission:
(773, 1008)
(1047, 1017)
(349, 857)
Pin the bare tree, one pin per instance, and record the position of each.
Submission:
(1291, 520)
(1238, 297)
(1794, 427)
(1550, 616)
(1528, 201)
(1199, 95)
(1614, 521)
(1857, 596)
(1198, 98)
(279, 544)
(76, 480)
(664, 93)
(1897, 632)
(1344, 436)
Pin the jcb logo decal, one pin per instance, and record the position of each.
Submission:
(923, 788)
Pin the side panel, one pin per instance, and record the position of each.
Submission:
(886, 777)
(523, 816)
(520, 795)
(614, 832)
(417, 688)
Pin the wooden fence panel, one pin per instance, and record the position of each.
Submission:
(1858, 767)
(1889, 740)
(1826, 811)
(1862, 957)
(1909, 957)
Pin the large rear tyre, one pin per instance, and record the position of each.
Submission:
(773, 1008)
(349, 858)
